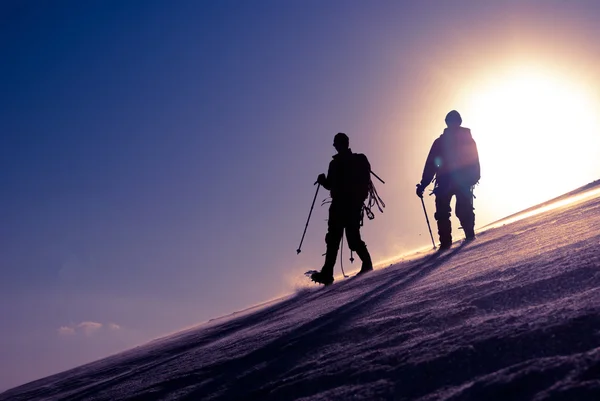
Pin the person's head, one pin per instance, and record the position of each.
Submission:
(453, 119)
(341, 142)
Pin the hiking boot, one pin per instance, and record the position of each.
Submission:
(469, 234)
(445, 245)
(319, 277)
(365, 257)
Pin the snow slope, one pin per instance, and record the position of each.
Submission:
(514, 315)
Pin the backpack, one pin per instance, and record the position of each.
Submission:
(364, 188)
(361, 176)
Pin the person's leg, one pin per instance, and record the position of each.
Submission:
(335, 230)
(355, 241)
(442, 216)
(464, 212)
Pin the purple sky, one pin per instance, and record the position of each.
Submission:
(157, 158)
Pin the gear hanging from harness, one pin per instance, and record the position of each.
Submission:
(436, 187)
(373, 199)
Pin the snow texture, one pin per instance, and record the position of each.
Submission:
(514, 315)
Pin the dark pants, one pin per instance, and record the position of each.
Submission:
(464, 211)
(344, 216)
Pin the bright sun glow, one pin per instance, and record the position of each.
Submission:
(538, 137)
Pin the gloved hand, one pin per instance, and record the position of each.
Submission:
(420, 190)
(321, 179)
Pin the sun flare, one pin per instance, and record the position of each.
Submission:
(538, 136)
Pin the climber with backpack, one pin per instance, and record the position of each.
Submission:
(349, 182)
(454, 161)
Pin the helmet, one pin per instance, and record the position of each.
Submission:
(453, 118)
(341, 139)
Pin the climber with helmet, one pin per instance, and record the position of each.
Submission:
(348, 181)
(454, 161)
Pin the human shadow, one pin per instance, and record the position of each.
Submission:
(245, 377)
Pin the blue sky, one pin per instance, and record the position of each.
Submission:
(157, 158)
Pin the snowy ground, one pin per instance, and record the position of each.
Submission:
(514, 315)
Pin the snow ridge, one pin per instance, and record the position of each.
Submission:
(514, 315)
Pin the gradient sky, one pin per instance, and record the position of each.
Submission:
(158, 158)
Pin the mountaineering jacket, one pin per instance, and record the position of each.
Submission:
(348, 176)
(453, 159)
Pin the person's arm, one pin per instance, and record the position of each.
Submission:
(476, 168)
(325, 180)
(430, 165)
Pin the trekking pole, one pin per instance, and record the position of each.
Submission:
(376, 176)
(428, 225)
(307, 220)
